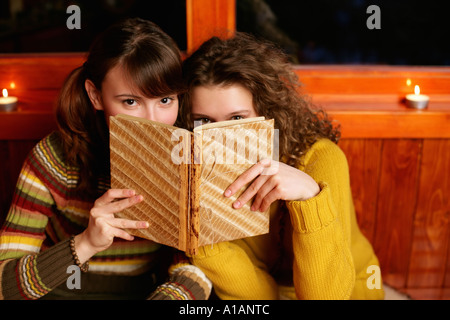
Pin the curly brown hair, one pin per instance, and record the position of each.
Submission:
(262, 68)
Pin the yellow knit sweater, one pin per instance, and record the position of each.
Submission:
(322, 255)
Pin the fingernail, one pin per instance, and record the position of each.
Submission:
(139, 198)
(141, 224)
(252, 208)
(227, 193)
(236, 204)
(131, 192)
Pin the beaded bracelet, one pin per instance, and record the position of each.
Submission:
(85, 266)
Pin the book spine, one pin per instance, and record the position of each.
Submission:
(184, 206)
(185, 199)
(194, 212)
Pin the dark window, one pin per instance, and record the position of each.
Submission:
(40, 25)
(413, 32)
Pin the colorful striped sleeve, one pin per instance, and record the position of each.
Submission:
(23, 233)
(34, 275)
(24, 228)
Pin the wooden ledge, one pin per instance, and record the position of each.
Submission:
(36, 80)
(365, 100)
(386, 116)
(368, 101)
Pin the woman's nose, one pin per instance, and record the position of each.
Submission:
(147, 113)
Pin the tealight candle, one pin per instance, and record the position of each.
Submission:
(417, 100)
(7, 103)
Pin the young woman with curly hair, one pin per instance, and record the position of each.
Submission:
(314, 249)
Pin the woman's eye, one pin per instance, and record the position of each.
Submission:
(201, 121)
(129, 102)
(166, 100)
(237, 117)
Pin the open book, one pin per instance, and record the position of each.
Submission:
(183, 175)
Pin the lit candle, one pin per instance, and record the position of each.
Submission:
(417, 100)
(7, 103)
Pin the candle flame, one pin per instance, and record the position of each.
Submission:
(408, 82)
(5, 93)
(417, 89)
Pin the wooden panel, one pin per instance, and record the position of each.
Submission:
(362, 114)
(429, 293)
(208, 18)
(359, 79)
(396, 204)
(363, 156)
(26, 125)
(368, 101)
(391, 124)
(430, 243)
(37, 78)
(447, 269)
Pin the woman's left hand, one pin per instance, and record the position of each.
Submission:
(273, 181)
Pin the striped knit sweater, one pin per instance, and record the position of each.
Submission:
(34, 246)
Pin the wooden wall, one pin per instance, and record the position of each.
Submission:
(399, 161)
(399, 158)
(400, 189)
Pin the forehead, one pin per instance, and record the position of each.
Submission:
(117, 80)
(221, 99)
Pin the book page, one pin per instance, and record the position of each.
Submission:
(227, 152)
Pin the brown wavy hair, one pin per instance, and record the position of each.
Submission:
(152, 61)
(262, 68)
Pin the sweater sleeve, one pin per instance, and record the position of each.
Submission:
(27, 272)
(34, 275)
(323, 264)
(186, 282)
(235, 272)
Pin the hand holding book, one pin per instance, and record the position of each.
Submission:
(272, 181)
(104, 226)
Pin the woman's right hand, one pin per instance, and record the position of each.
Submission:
(104, 226)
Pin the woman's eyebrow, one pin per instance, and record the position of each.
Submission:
(239, 112)
(126, 95)
(197, 115)
(234, 113)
